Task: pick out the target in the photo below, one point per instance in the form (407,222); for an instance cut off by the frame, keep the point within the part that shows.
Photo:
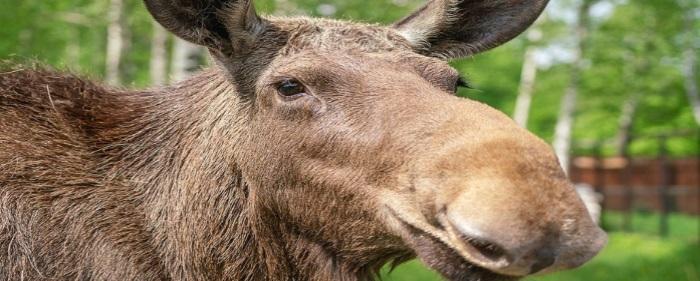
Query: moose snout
(497,202)
(509,237)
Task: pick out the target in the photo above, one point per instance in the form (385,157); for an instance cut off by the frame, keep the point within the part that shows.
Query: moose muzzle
(496,198)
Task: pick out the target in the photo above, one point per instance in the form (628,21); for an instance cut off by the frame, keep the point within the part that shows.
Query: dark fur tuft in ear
(221,25)
(459,28)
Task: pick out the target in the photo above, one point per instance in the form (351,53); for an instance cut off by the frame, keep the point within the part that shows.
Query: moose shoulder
(313,150)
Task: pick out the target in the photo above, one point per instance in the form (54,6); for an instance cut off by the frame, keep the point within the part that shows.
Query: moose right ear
(458,28)
(222,25)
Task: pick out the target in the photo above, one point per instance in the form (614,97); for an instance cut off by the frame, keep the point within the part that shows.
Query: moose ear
(222,25)
(459,28)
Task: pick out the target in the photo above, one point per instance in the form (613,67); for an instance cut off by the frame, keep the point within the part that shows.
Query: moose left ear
(458,28)
(222,25)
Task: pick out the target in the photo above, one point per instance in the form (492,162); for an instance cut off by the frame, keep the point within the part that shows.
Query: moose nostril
(486,252)
(489,250)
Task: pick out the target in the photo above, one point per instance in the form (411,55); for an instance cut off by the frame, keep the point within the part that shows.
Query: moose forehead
(326,48)
(333,35)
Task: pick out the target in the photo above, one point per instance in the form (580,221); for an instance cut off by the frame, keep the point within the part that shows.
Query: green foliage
(640,256)
(60,33)
(494,75)
(635,51)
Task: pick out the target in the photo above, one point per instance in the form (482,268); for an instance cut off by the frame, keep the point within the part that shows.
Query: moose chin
(313,149)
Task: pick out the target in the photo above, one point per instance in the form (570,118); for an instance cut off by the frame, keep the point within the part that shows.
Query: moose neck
(174,148)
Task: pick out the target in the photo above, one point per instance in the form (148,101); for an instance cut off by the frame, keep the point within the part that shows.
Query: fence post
(627,184)
(599,168)
(664,169)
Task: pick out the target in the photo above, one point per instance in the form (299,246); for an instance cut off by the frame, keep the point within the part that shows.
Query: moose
(313,149)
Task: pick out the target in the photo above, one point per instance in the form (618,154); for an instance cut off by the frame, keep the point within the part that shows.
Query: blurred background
(612,84)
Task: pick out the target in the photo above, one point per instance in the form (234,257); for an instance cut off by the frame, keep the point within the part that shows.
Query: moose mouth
(443,257)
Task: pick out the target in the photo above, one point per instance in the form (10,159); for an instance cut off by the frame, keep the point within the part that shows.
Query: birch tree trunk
(690,63)
(187,59)
(526,88)
(528,77)
(565,122)
(73,47)
(636,64)
(159,53)
(564,127)
(624,133)
(115,41)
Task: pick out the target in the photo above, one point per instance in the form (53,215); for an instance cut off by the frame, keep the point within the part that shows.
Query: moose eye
(290,88)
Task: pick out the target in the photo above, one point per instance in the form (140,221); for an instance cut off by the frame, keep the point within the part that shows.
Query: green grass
(639,256)
(680,226)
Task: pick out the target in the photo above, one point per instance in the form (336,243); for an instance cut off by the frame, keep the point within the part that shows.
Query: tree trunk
(73,47)
(624,133)
(690,63)
(565,122)
(526,88)
(564,127)
(159,53)
(634,66)
(115,41)
(691,84)
(528,77)
(187,59)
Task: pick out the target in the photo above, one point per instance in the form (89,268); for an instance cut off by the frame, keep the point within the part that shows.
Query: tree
(625,123)
(159,55)
(690,61)
(187,59)
(115,41)
(633,68)
(565,121)
(528,77)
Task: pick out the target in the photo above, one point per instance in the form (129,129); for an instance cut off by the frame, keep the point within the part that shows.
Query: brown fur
(88,182)
(222,178)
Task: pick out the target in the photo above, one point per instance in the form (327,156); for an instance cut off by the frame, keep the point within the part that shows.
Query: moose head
(354,150)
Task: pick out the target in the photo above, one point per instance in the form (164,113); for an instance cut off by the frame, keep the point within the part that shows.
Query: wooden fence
(642,184)
(659,184)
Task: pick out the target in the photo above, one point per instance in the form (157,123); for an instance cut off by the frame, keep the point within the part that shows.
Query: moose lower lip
(444,258)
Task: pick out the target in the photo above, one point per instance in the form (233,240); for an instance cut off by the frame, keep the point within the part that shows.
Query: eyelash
(463,83)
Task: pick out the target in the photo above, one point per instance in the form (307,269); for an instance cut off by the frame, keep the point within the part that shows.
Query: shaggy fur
(93,193)
(223,177)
